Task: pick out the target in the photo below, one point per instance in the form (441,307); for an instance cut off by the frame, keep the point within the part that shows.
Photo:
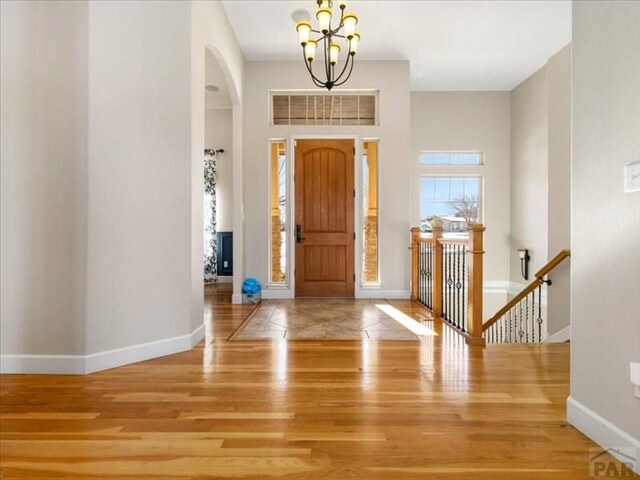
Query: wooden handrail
(540,274)
(553,263)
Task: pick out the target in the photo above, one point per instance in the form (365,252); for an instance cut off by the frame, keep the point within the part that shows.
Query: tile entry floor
(322,319)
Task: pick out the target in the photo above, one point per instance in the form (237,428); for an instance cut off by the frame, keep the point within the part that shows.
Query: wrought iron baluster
(502,327)
(448,254)
(431,273)
(445,287)
(424,274)
(526,313)
(464,277)
(539,319)
(519,317)
(420,270)
(455,285)
(533,316)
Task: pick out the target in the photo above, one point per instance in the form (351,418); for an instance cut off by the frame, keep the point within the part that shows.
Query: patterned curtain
(210,229)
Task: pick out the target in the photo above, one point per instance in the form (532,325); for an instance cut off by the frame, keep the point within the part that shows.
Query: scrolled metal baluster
(539,319)
(533,316)
(457,281)
(420,273)
(464,278)
(449,291)
(519,322)
(526,321)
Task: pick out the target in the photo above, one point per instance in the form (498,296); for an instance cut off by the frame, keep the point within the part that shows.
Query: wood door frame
(357,221)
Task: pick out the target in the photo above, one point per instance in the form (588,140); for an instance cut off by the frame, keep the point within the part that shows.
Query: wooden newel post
(436,270)
(415,234)
(476,255)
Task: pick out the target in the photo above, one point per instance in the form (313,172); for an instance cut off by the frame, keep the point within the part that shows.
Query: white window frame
(360,191)
(341,92)
(289,271)
(479,176)
(451,152)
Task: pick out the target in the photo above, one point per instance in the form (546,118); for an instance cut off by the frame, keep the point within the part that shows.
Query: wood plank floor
(301,409)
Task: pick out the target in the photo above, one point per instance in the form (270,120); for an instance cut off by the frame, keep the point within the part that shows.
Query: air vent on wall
(331,109)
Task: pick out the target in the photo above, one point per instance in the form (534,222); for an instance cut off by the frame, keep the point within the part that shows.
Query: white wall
(605,275)
(102,178)
(210,29)
(453,121)
(540,180)
(218,134)
(529,173)
(559,184)
(43,169)
(392,79)
(138,264)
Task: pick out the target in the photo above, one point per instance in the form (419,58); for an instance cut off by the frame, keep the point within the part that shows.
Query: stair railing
(521,319)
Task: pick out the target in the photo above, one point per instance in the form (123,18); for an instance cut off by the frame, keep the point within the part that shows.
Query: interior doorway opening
(218,180)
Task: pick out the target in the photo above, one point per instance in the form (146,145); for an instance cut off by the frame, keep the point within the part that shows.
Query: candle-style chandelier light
(331,75)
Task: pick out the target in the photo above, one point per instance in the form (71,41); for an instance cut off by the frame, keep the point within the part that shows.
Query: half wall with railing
(447,278)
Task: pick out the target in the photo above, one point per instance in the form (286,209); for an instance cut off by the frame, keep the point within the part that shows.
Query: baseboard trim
(42,364)
(602,431)
(82,364)
(225,278)
(560,336)
(277,293)
(495,286)
(382,294)
(236,298)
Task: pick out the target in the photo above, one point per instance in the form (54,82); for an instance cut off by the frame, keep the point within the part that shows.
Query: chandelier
(331,75)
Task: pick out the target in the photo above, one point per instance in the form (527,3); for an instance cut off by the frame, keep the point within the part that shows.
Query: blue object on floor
(251,285)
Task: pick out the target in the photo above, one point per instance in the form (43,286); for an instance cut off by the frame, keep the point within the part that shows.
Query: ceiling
(213,75)
(451,45)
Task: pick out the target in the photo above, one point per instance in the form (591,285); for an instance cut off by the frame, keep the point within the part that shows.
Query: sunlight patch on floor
(406,321)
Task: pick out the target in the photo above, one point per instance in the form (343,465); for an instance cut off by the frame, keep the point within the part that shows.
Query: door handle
(299,237)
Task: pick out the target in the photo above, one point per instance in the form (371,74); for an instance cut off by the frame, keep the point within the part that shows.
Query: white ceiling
(213,75)
(451,45)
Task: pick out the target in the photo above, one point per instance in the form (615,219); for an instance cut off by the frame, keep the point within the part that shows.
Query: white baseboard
(42,364)
(81,364)
(225,278)
(560,336)
(285,294)
(236,298)
(390,294)
(602,431)
(277,293)
(496,286)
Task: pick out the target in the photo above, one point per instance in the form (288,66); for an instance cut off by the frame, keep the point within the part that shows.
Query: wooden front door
(324,235)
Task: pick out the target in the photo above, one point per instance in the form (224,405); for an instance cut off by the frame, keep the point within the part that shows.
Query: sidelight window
(370,259)
(278,271)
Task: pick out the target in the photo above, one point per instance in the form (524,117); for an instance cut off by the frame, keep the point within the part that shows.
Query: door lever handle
(299,237)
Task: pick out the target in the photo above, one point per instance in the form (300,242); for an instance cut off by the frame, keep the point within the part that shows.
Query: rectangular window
(327,109)
(456,200)
(278,212)
(451,158)
(370,212)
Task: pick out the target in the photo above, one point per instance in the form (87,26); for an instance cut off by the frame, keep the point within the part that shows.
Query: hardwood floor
(302,409)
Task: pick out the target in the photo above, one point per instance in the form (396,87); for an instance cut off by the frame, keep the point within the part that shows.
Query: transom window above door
(333,109)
